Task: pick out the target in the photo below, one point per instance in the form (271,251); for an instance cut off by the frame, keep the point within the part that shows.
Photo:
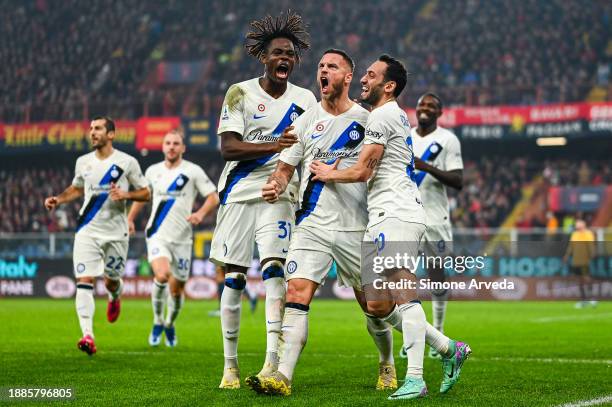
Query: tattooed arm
(369,158)
(277,182)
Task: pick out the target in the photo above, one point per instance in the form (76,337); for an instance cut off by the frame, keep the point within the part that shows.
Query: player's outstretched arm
(211,202)
(138,195)
(277,182)
(70,194)
(234,149)
(134,211)
(453,178)
(361,171)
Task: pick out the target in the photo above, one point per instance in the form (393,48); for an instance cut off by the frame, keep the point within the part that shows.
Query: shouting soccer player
(175,183)
(396,216)
(331,219)
(101,241)
(253,117)
(439,165)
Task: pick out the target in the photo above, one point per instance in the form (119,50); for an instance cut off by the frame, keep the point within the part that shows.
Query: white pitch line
(551,360)
(585,403)
(572,317)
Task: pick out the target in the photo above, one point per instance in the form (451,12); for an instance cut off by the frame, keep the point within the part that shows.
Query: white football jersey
(441,149)
(259,118)
(100,217)
(392,190)
(174,192)
(325,137)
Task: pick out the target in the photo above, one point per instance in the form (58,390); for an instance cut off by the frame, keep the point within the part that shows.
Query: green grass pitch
(525,354)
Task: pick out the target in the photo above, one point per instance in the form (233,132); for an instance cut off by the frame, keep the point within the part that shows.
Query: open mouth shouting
(282,71)
(325,88)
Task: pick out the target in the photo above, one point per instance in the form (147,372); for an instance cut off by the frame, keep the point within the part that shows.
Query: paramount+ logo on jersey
(258,136)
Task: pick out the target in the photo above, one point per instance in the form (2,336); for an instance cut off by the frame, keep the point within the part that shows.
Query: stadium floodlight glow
(551,141)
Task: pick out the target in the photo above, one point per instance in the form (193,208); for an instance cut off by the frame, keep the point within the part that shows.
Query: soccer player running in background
(175,183)
(330,222)
(253,117)
(103,177)
(396,217)
(437,159)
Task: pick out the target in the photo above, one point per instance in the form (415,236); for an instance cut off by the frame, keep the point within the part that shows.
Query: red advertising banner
(519,115)
(151,131)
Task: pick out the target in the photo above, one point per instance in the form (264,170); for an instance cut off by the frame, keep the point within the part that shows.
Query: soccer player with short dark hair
(396,217)
(438,165)
(103,177)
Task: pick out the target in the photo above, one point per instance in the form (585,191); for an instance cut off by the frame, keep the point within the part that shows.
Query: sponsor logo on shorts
(80,268)
(291,267)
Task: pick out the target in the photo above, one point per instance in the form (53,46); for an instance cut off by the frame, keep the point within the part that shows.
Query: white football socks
(85,307)
(230,316)
(175,303)
(159,294)
(433,337)
(294,333)
(274,281)
(382,336)
(413,329)
(438,307)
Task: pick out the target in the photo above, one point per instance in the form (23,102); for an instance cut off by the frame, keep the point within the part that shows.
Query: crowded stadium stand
(71,59)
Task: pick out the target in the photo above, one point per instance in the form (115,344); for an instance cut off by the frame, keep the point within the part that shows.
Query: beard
(173,159)
(374,96)
(101,143)
(336,91)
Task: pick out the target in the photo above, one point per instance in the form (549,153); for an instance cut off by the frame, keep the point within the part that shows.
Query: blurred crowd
(71,59)
(490,52)
(492,186)
(578,173)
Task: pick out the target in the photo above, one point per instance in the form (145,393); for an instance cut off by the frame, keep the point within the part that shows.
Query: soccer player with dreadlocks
(254,114)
